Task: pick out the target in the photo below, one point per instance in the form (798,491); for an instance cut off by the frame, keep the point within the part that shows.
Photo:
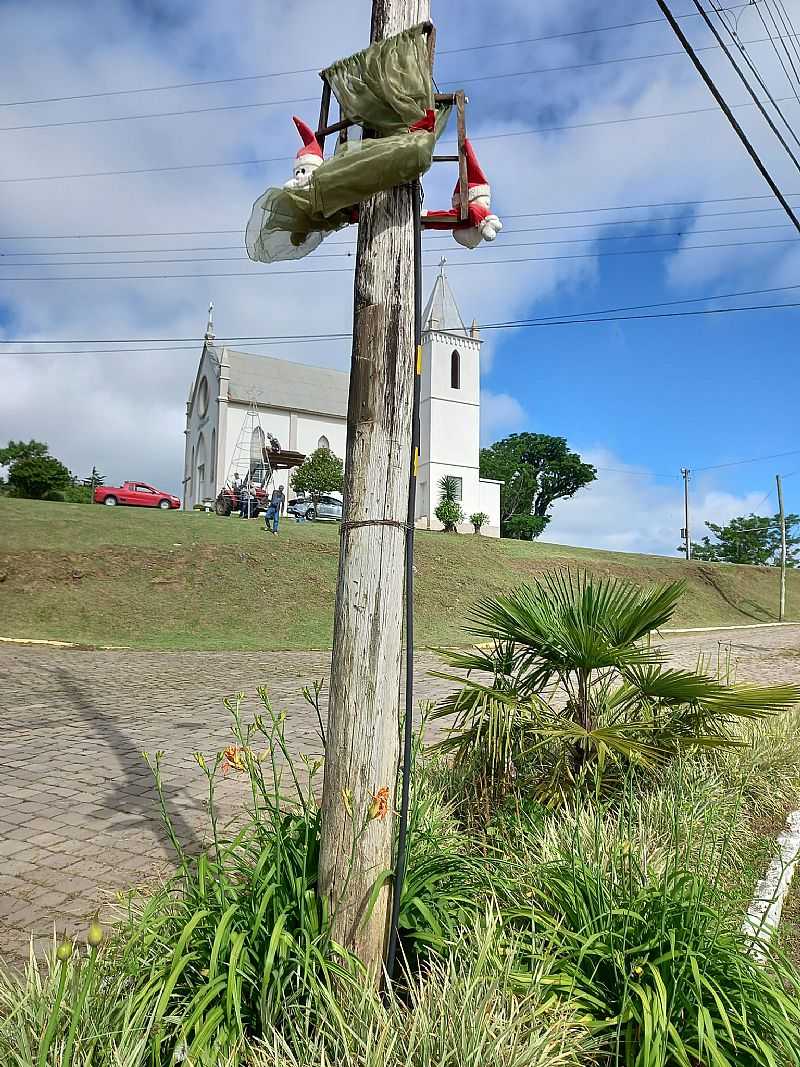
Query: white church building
(305,408)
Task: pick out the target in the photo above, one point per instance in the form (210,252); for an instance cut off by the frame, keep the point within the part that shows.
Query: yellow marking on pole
(416,461)
(419,359)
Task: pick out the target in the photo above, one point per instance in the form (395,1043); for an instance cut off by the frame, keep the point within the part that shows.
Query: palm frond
(570,621)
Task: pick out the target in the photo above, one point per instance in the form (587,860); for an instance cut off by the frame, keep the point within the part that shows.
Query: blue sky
(652,396)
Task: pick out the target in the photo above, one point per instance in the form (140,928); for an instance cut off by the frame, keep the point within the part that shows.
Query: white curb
(764,912)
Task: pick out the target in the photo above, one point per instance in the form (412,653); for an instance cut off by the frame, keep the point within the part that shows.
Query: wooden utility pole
(362,737)
(782,519)
(686,530)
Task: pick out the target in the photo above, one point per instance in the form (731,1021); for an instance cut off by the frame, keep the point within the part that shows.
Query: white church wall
(489,497)
(311,429)
(470,492)
(202,420)
(272,421)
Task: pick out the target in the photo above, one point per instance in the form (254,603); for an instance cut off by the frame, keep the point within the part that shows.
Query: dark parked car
(324,507)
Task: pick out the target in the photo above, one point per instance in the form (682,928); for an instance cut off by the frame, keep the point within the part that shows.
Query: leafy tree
(322,472)
(536,470)
(449,511)
(478,520)
(95,478)
(32,471)
(754,539)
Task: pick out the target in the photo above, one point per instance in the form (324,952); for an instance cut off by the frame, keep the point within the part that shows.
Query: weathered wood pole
(362,737)
(782,521)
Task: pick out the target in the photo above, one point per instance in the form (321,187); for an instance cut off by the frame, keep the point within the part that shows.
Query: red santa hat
(310,154)
(477,182)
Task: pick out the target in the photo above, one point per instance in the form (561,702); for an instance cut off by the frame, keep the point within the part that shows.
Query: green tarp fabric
(387,87)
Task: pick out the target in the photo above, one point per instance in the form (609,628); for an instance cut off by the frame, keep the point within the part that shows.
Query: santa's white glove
(490,227)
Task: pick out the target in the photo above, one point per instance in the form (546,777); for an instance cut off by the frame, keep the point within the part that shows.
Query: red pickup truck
(138,494)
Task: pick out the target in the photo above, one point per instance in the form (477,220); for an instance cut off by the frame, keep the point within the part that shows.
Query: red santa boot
(480,224)
(483,225)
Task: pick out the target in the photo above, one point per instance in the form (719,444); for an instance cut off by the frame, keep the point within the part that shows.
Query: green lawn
(155,580)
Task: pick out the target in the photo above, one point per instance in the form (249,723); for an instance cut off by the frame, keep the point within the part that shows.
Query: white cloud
(631,511)
(125,413)
(501,414)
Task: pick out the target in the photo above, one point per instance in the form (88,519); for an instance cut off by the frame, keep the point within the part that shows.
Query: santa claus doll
(480,224)
(308,158)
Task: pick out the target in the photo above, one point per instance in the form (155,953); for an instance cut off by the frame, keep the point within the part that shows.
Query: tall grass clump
(661,968)
(466,1009)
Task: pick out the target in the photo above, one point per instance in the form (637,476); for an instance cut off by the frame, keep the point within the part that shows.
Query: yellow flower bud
(200,759)
(64,951)
(95,934)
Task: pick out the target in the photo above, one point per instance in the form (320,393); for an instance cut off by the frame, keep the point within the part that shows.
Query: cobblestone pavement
(78,812)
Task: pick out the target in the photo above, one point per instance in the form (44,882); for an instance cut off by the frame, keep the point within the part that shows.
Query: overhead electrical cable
(257,272)
(504,243)
(740,45)
(506,215)
(486,261)
(557,322)
(313,70)
(792,85)
(779,38)
(186,112)
(250,338)
(754,96)
(285,159)
(728,112)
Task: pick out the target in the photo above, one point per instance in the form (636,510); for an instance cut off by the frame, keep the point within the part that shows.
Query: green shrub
(478,520)
(55,495)
(448,510)
(524,527)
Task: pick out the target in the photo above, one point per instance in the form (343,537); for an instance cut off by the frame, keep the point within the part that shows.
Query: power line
(255,270)
(509,325)
(285,159)
(793,85)
(184,112)
(746,55)
(726,108)
(765,114)
(313,70)
(504,243)
(506,215)
(740,462)
(193,341)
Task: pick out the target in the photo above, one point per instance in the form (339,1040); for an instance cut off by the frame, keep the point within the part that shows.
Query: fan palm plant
(568,673)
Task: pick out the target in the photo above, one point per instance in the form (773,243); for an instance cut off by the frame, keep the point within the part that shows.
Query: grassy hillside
(149,579)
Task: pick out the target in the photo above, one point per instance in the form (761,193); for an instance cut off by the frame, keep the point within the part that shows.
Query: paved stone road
(78,815)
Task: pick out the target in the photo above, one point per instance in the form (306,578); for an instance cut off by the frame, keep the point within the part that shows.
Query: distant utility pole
(782,519)
(358,797)
(686,531)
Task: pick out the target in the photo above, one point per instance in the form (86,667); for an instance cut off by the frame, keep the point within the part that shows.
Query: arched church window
(202,397)
(455,370)
(323,442)
(213,453)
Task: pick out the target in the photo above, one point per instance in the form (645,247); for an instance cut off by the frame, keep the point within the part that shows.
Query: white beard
(470,238)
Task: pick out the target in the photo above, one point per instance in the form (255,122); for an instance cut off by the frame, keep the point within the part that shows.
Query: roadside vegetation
(583,847)
(169,580)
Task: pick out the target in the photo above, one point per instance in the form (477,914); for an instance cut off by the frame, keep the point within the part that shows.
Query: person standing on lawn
(273,512)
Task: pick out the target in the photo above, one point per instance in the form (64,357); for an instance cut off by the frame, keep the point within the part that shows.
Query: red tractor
(230,499)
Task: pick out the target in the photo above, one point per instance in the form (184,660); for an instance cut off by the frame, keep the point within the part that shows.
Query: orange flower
(233,756)
(379,808)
